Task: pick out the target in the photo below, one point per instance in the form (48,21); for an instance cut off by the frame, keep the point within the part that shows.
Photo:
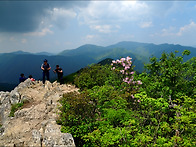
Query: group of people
(46,73)
(23,78)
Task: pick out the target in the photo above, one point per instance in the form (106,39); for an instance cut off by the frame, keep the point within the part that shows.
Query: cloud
(113,12)
(146,24)
(109,16)
(90,36)
(60,16)
(182,31)
(27,16)
(19,17)
(190,28)
(105,28)
(43,32)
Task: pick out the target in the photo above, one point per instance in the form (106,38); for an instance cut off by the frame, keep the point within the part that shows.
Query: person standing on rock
(46,68)
(59,72)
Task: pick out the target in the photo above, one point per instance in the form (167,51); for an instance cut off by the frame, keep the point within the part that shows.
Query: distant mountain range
(15,63)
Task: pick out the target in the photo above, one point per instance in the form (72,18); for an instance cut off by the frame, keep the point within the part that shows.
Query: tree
(170,76)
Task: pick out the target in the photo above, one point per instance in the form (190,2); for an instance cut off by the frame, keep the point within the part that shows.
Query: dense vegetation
(118,107)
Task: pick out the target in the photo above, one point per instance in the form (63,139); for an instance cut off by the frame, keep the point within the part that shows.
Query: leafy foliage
(170,76)
(120,108)
(94,75)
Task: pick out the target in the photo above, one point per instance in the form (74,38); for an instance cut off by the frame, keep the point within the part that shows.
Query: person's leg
(43,77)
(61,80)
(48,76)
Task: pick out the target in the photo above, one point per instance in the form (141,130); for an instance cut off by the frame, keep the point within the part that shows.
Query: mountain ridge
(13,64)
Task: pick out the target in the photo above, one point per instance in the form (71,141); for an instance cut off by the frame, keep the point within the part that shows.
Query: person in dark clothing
(59,72)
(46,68)
(22,78)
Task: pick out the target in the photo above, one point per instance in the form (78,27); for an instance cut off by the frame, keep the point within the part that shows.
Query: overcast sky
(36,26)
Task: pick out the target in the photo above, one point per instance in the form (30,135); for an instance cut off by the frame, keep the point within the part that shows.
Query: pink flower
(126,79)
(122,59)
(132,96)
(127,67)
(128,58)
(122,71)
(113,61)
(138,101)
(132,72)
(139,82)
(113,68)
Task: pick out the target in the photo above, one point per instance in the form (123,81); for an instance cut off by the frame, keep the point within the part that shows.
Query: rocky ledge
(35,123)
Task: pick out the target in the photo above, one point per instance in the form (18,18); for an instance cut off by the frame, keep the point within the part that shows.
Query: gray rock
(35,123)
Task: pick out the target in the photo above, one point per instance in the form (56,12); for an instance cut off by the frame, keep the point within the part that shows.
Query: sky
(54,26)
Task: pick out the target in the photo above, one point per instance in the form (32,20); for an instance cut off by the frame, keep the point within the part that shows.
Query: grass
(16,107)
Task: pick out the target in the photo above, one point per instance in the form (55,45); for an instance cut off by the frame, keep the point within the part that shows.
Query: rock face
(35,123)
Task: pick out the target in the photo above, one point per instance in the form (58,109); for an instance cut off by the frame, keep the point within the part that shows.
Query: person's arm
(49,67)
(61,70)
(42,67)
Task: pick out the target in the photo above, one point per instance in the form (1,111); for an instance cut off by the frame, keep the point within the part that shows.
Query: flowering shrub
(124,66)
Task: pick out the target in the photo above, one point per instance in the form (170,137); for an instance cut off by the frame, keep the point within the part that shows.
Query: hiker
(46,68)
(31,78)
(22,78)
(59,72)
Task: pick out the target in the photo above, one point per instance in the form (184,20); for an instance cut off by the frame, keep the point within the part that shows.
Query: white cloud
(105,28)
(100,13)
(60,17)
(90,36)
(146,24)
(43,32)
(190,28)
(182,31)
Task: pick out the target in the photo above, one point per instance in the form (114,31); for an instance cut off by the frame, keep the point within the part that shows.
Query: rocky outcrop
(35,123)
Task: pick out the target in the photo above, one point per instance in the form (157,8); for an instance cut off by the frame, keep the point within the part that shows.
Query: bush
(121,108)
(96,75)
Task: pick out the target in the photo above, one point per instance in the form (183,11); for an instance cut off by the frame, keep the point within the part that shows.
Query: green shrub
(114,110)
(96,75)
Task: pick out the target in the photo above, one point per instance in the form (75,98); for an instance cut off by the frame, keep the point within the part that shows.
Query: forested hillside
(118,107)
